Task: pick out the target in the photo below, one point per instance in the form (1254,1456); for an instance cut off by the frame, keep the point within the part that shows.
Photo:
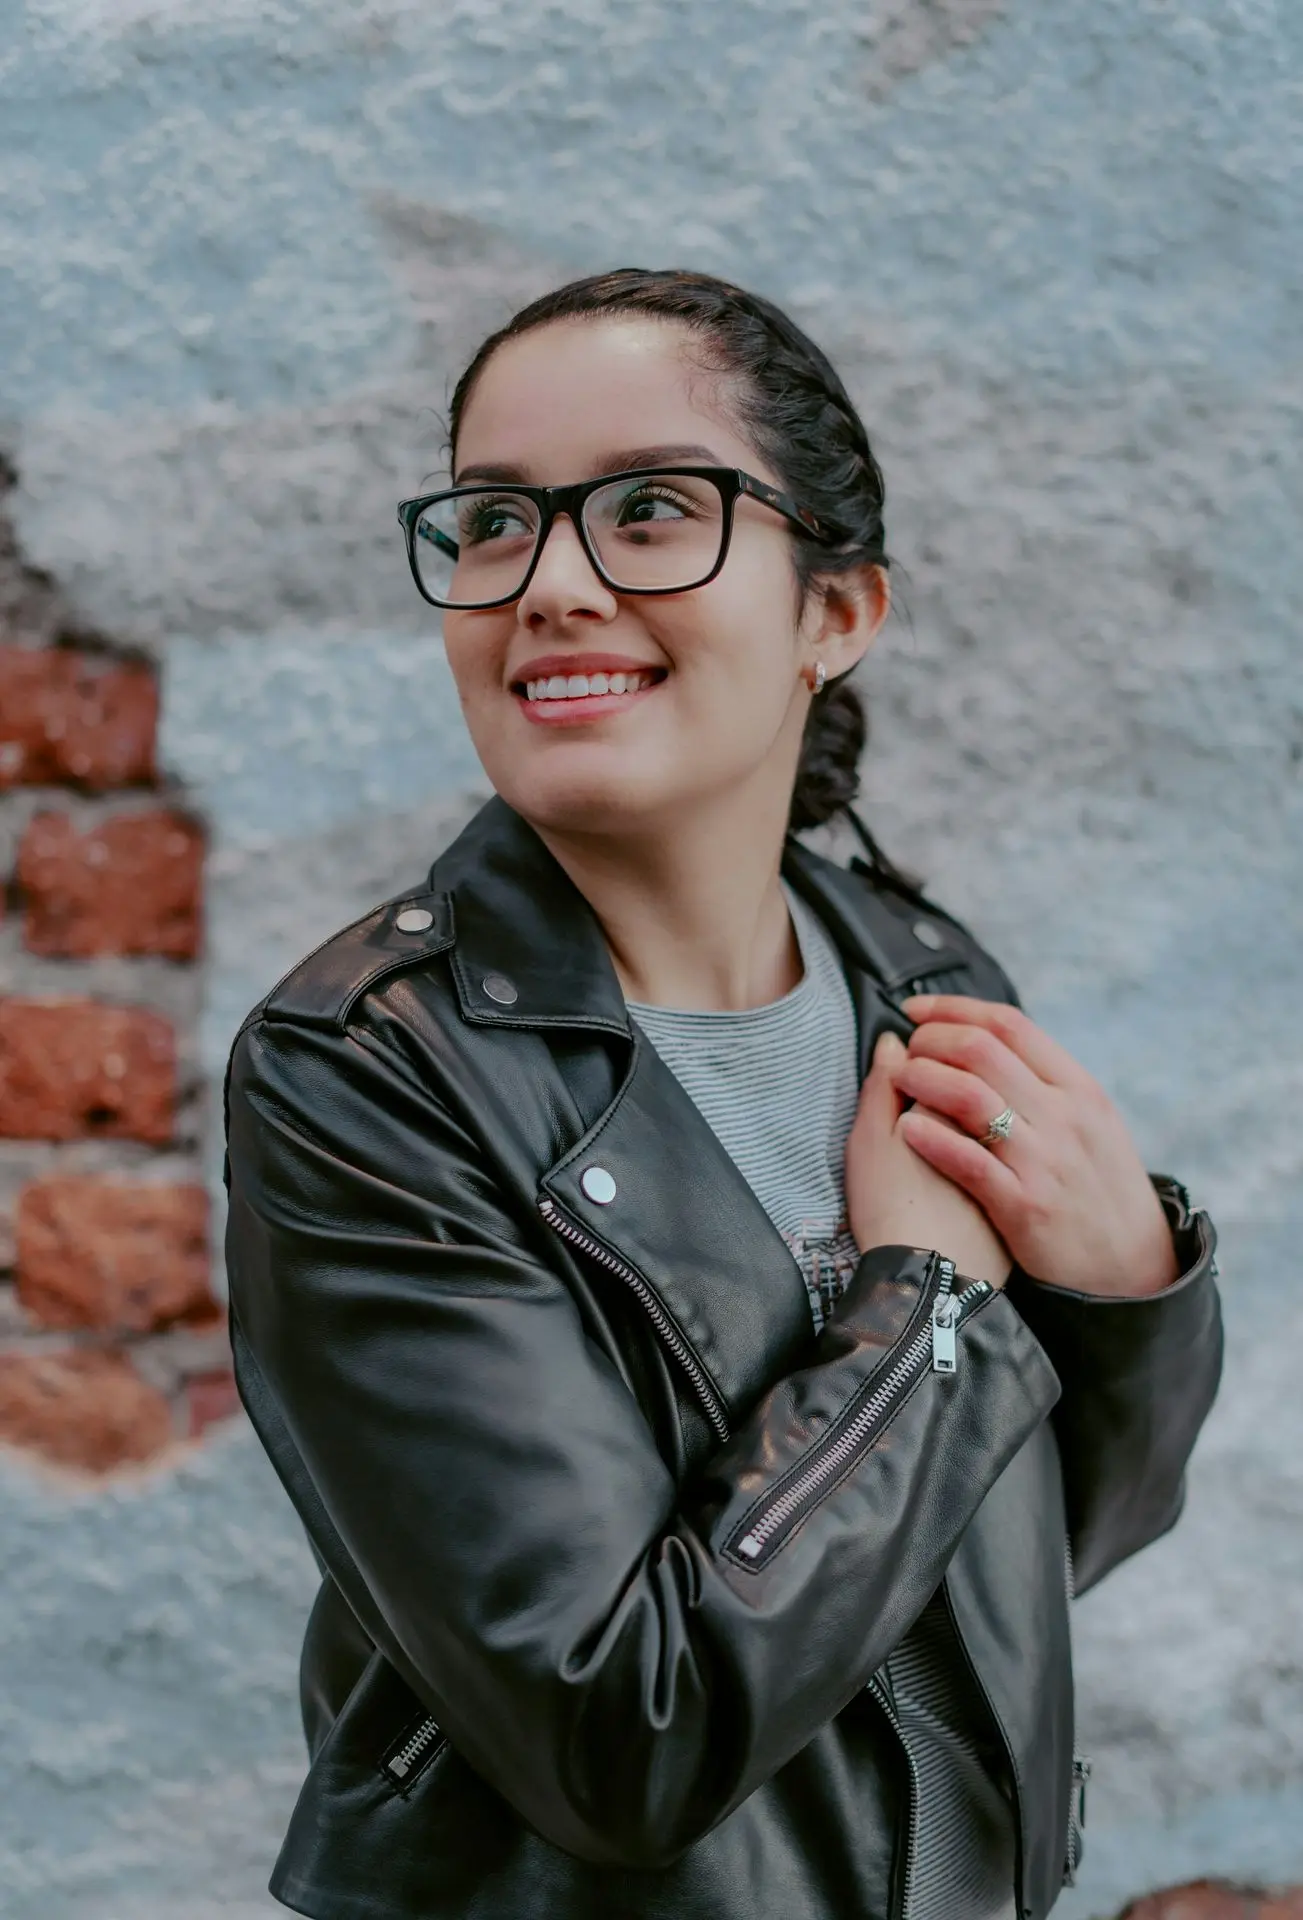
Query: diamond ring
(1000,1128)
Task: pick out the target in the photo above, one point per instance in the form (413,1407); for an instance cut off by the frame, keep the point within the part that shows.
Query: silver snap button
(598,1185)
(414,920)
(499,988)
(928,935)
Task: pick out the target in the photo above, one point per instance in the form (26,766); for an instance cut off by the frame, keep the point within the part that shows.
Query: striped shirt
(778,1085)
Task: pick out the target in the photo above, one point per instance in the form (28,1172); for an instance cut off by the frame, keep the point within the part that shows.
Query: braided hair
(793,406)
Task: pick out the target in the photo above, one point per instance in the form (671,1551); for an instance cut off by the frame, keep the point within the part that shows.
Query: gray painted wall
(1058,249)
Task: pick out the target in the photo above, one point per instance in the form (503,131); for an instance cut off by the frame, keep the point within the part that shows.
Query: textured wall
(1058,250)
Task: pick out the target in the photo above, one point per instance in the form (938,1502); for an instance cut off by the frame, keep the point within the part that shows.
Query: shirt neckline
(805,986)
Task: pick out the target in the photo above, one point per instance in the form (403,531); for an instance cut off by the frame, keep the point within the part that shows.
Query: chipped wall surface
(1057,250)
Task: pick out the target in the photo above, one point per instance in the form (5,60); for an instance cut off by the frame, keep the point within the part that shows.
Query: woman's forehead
(568,396)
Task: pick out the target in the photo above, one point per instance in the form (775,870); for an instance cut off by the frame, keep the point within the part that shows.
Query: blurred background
(1057,249)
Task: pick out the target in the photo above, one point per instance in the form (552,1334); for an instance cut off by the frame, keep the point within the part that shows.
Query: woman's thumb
(888,1053)
(878,1092)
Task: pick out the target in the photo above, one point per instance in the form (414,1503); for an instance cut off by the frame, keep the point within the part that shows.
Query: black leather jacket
(611,1542)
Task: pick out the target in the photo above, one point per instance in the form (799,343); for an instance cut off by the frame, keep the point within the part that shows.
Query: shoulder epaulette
(323,988)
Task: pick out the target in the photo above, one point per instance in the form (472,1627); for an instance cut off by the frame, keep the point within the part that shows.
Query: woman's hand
(1067,1192)
(893,1198)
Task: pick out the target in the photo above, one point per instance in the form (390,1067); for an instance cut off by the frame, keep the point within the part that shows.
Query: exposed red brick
(81,1409)
(1216,1900)
(75,718)
(98,1253)
(132,884)
(77,1069)
(210,1397)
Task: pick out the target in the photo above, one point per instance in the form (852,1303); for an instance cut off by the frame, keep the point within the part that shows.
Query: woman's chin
(593,801)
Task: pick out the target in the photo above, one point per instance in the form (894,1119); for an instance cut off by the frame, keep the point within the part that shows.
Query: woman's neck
(694,918)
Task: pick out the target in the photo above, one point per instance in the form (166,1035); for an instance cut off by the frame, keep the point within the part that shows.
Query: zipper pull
(945,1314)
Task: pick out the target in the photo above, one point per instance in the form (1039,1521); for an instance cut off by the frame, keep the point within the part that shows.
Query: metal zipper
(401,1765)
(879,1692)
(828,1462)
(1081,1766)
(664,1326)
(945,1317)
(1081,1770)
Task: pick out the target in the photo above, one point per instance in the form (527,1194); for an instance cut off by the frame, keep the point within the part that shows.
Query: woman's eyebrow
(617,460)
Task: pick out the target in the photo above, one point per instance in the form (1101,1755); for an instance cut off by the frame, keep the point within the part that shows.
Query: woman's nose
(565,584)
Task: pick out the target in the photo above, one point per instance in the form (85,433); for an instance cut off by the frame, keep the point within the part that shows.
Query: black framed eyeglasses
(651,530)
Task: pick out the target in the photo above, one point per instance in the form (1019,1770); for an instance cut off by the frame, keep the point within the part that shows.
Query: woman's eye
(485,520)
(640,507)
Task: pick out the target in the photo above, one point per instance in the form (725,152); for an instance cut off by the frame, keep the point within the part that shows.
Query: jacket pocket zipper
(1081,1766)
(656,1313)
(934,1342)
(879,1693)
(413,1752)
(1076,1820)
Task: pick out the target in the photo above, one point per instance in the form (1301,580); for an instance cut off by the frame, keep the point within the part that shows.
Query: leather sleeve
(594,1641)
(1139,1375)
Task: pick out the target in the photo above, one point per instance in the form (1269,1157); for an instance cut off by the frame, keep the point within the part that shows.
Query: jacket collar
(523,926)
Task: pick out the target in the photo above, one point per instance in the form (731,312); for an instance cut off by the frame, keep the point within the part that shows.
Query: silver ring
(1000,1128)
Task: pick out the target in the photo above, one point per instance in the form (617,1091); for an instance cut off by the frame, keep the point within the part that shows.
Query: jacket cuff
(883,1290)
(1135,1320)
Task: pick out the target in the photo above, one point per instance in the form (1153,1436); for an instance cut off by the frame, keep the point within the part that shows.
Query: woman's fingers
(958,1156)
(1004,1026)
(983,1057)
(967,1099)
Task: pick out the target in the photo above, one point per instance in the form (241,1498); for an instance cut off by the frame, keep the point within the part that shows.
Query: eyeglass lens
(661,530)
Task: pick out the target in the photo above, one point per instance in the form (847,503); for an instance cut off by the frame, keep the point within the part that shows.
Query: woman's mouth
(567,698)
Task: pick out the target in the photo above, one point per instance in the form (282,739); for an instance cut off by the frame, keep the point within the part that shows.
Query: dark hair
(793,406)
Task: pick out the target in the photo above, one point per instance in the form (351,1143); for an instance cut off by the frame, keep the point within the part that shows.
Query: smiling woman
(688,1386)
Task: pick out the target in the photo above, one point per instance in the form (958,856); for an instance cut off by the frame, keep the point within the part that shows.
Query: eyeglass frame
(732,482)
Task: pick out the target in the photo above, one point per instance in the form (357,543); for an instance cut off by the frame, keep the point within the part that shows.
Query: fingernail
(917,1003)
(889,1046)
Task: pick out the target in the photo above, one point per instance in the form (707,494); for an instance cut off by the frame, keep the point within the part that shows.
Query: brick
(101,1253)
(210,1398)
(1200,1900)
(78,1069)
(1285,1905)
(81,1409)
(75,718)
(131,885)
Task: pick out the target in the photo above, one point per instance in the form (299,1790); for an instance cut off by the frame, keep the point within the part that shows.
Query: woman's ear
(846,614)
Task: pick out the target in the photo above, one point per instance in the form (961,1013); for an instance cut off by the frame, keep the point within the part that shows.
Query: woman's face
(726,703)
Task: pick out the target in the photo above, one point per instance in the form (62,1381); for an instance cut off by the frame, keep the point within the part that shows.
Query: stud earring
(820,675)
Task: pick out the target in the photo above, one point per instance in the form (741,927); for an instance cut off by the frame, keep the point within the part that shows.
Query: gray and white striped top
(778,1085)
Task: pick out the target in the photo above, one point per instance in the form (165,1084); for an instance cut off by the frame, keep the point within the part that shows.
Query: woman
(687,1385)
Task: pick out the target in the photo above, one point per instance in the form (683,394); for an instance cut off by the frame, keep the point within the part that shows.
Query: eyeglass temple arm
(423,530)
(784,503)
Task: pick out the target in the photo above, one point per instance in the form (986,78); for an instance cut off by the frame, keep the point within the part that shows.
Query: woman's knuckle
(1036,1205)
(980,1050)
(961,1043)
(1008,1023)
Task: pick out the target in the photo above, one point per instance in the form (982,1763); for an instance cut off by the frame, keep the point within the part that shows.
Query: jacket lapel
(675,1208)
(529,953)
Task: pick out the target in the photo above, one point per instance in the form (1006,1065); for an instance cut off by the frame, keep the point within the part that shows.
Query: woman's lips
(588,706)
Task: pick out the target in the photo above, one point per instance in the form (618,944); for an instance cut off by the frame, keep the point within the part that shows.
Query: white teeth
(578,686)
